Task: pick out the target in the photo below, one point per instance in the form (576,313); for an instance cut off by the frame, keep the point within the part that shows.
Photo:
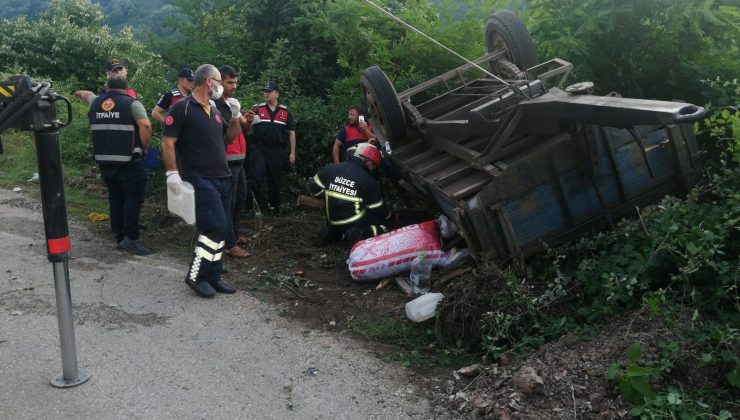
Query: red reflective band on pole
(58,246)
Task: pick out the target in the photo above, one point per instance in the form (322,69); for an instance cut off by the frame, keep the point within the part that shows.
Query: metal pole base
(60,382)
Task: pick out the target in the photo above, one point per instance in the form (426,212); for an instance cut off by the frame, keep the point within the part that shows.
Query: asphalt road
(157,351)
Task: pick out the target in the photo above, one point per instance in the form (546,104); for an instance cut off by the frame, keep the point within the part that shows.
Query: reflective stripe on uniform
(374,229)
(236,157)
(345,197)
(318,182)
(207,255)
(376,205)
(112,158)
(210,244)
(112,127)
(354,218)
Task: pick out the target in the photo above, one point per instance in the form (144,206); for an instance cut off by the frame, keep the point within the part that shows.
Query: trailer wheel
(383,105)
(504,30)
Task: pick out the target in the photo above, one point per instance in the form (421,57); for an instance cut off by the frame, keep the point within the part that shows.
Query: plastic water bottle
(421,275)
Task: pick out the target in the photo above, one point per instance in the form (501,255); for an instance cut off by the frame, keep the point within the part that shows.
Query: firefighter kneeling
(352,196)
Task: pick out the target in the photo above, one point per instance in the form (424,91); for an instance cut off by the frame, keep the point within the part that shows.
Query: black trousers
(265,163)
(212,212)
(126,189)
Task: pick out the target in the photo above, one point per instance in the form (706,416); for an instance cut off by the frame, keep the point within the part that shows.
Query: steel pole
(54,208)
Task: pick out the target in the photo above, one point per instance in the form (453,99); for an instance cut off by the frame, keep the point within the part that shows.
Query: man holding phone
(355,132)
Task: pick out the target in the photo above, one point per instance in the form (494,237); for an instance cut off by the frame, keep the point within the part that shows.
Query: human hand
(248,115)
(291,158)
(173,181)
(84,95)
(234,106)
(362,125)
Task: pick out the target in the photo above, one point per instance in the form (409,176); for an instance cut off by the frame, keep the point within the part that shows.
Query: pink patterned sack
(391,253)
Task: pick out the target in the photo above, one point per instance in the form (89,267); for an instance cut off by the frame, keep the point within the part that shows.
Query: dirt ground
(312,286)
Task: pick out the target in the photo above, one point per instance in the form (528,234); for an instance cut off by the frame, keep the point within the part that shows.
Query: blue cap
(186,73)
(270,86)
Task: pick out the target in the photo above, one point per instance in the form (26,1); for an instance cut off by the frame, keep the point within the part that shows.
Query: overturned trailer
(516,161)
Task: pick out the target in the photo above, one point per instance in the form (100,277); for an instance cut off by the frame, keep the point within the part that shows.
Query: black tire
(504,29)
(383,105)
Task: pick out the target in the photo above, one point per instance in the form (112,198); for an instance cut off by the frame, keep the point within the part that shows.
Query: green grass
(417,343)
(83,190)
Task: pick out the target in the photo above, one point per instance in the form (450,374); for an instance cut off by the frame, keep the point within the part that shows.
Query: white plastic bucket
(423,307)
(182,203)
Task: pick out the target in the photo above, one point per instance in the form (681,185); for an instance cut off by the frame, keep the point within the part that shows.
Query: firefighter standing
(353,200)
(121,135)
(273,128)
(195,131)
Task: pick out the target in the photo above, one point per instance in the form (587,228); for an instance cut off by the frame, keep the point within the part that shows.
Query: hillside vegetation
(676,262)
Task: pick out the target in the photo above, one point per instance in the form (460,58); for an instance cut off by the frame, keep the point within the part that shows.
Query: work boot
(201,288)
(222,287)
(134,246)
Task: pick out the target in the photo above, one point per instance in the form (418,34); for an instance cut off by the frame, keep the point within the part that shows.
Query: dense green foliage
(678,260)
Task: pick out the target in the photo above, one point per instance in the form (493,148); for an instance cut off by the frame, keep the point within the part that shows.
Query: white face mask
(216,94)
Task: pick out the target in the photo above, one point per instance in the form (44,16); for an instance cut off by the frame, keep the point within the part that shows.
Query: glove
(234,106)
(173,182)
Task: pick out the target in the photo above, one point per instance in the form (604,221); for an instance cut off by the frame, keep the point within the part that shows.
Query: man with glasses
(193,146)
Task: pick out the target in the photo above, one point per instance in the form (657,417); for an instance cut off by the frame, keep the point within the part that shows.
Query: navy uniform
(118,150)
(201,158)
(353,199)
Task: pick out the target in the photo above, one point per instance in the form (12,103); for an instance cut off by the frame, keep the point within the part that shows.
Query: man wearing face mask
(193,148)
(353,198)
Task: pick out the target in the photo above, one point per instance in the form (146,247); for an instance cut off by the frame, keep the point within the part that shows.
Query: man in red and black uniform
(236,152)
(193,145)
(353,198)
(169,98)
(121,134)
(273,128)
(356,131)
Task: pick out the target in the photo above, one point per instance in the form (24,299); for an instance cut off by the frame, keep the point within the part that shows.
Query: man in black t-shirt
(193,145)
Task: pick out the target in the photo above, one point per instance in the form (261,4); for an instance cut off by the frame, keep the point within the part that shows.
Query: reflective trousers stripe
(236,157)
(207,255)
(112,127)
(210,244)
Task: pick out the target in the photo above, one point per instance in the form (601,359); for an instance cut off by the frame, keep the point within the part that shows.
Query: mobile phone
(362,118)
